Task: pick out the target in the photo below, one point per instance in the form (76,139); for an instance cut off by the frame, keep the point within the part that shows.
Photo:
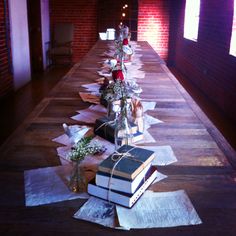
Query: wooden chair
(60,47)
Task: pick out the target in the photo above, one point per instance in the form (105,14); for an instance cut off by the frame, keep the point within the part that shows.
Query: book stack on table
(124,176)
(105,128)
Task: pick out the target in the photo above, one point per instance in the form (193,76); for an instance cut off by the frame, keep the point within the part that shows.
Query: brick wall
(83,14)
(6,81)
(153,24)
(207,63)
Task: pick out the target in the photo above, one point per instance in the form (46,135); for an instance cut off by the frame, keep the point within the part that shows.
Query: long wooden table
(205,168)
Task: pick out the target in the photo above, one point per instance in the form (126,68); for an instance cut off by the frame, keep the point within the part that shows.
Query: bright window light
(232,50)
(191,19)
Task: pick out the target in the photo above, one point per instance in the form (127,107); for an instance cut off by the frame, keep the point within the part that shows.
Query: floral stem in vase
(78,183)
(79,151)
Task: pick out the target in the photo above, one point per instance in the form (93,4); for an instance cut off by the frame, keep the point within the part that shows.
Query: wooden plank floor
(205,168)
(16,106)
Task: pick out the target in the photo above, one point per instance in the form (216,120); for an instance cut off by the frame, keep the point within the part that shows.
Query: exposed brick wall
(207,63)
(153,24)
(6,81)
(83,14)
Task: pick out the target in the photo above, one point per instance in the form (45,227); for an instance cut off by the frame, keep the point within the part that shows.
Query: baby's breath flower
(83,148)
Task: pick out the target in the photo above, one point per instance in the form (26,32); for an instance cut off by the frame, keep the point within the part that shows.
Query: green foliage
(84,147)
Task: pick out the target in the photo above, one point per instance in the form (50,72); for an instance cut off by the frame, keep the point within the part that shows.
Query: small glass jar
(77,182)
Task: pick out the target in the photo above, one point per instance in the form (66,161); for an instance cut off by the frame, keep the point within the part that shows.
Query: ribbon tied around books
(117,157)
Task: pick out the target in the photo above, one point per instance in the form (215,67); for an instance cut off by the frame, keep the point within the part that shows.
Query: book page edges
(117,183)
(120,199)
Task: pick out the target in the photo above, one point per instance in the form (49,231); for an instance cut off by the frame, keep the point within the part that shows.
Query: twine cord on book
(117,157)
(112,122)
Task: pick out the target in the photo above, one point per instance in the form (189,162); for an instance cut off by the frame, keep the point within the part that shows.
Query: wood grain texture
(205,167)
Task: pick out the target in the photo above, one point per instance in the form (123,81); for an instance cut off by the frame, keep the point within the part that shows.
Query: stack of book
(127,181)
(105,128)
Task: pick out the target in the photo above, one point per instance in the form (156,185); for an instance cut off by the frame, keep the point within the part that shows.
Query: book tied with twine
(122,198)
(128,161)
(118,183)
(105,128)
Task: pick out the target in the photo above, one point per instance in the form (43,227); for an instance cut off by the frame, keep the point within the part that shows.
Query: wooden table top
(205,168)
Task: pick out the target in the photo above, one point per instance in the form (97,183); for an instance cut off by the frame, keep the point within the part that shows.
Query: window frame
(191,19)
(232,48)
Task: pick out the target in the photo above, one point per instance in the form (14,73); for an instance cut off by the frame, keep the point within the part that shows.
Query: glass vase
(77,182)
(110,112)
(123,132)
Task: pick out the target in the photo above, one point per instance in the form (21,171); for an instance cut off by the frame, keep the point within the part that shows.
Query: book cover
(130,165)
(105,128)
(120,183)
(121,198)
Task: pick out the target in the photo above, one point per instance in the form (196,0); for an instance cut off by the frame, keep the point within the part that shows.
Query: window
(191,19)
(232,50)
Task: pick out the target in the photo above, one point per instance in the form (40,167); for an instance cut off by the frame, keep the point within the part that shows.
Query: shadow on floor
(17,106)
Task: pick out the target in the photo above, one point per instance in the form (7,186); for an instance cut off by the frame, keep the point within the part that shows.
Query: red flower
(125,41)
(117,75)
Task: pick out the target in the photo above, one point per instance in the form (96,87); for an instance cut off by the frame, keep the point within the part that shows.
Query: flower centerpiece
(116,91)
(77,154)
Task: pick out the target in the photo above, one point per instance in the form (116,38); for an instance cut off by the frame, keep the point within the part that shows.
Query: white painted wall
(45,22)
(19,42)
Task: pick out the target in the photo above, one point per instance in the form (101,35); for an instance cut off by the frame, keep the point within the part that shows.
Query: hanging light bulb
(126,5)
(123,14)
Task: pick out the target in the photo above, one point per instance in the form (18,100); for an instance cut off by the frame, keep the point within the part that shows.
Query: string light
(125,6)
(123,13)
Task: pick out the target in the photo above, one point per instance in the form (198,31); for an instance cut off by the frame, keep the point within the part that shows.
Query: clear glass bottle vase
(110,111)
(123,131)
(77,182)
